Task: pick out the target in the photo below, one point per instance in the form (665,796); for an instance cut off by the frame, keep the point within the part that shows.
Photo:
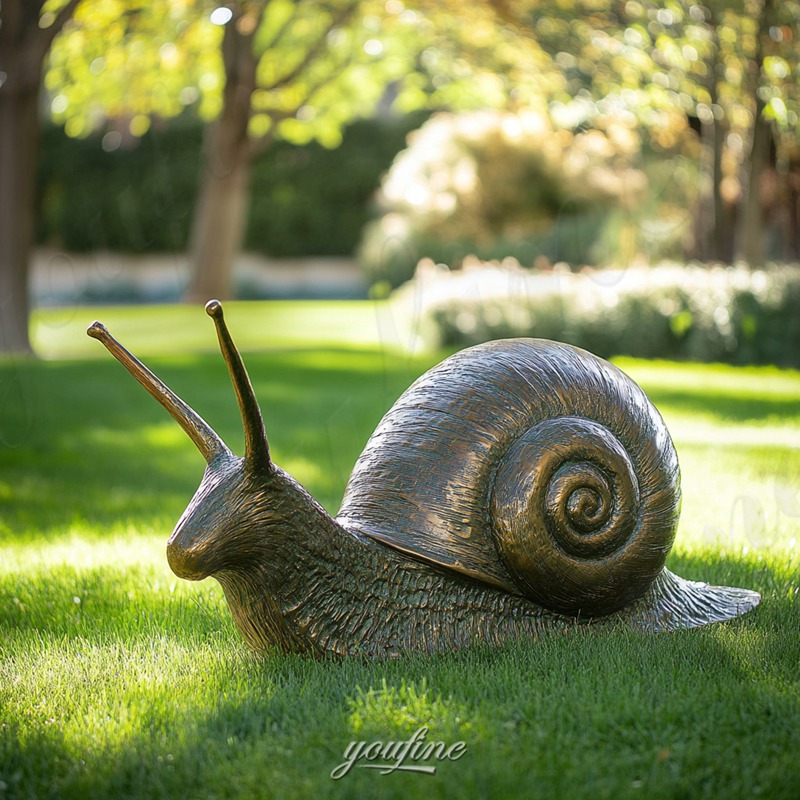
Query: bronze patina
(518,486)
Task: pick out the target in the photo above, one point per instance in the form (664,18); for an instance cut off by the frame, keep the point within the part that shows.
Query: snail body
(516,487)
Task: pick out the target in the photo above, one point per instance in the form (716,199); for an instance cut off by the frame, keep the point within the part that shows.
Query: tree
(296,69)
(258,71)
(27,30)
(730,66)
(733,63)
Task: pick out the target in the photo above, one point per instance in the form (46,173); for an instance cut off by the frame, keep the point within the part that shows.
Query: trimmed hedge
(728,314)
(134,199)
(304,200)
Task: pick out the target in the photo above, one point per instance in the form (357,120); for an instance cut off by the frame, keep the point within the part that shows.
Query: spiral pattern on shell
(527,464)
(565,506)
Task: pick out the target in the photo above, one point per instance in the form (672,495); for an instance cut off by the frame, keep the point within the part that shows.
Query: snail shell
(530,465)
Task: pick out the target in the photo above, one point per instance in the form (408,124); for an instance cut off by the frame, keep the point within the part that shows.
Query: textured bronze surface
(519,486)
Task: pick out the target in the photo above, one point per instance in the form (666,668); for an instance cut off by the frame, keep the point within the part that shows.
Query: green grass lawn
(119,680)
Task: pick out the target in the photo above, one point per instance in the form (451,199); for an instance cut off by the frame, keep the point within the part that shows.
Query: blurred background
(621,175)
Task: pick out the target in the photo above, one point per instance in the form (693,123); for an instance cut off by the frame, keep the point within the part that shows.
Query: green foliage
(118,679)
(720,62)
(320,64)
(133,62)
(497,184)
(651,59)
(731,314)
(135,198)
(315,72)
(138,198)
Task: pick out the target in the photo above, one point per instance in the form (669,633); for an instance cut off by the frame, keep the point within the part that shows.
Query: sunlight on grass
(296,465)
(61,333)
(719,405)
(699,431)
(148,437)
(739,497)
(121,551)
(762,380)
(402,709)
(100,701)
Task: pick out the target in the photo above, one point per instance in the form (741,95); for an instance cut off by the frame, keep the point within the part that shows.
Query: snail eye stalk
(255,437)
(199,431)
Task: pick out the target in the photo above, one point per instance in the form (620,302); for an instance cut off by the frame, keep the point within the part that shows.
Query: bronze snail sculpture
(518,486)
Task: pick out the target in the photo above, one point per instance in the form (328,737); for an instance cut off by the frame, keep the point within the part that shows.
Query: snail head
(237,496)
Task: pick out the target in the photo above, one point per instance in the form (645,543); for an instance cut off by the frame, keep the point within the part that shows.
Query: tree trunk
(751,243)
(23,47)
(19,134)
(713,224)
(721,245)
(221,209)
(793,248)
(220,215)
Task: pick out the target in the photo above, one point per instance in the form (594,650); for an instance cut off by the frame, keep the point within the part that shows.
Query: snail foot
(673,603)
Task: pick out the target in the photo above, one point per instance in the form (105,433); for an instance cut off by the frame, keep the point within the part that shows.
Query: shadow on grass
(711,712)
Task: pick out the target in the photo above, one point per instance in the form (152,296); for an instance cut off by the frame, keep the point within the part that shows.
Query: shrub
(498,184)
(728,314)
